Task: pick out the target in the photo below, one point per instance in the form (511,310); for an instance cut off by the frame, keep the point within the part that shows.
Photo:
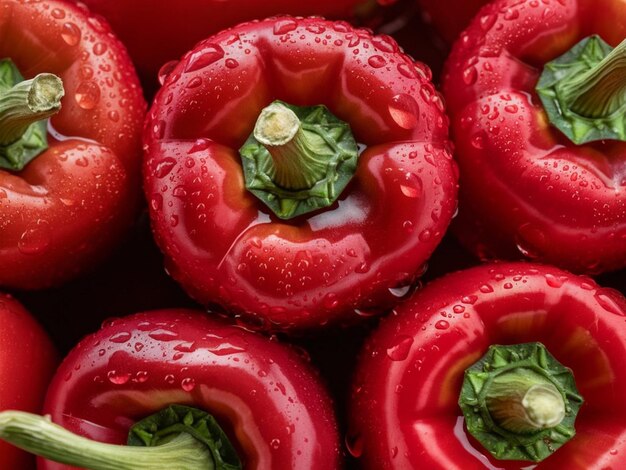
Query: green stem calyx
(519,402)
(298,159)
(25,106)
(178,437)
(584,91)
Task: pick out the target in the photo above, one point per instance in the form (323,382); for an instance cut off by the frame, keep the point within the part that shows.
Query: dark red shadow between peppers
(157,31)
(27,362)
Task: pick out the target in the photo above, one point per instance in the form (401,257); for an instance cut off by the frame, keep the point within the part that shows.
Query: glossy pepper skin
(450,17)
(27,362)
(273,408)
(225,247)
(67,207)
(527,190)
(404,411)
(156,32)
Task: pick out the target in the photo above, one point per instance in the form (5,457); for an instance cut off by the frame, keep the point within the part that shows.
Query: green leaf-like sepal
(170,422)
(16,154)
(560,87)
(328,143)
(528,360)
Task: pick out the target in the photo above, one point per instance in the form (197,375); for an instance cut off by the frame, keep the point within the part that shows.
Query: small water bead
(35,240)
(377,61)
(82,161)
(399,351)
(58,13)
(478,140)
(141,376)
(341,26)
(385,43)
(231,63)
(411,186)
(99,48)
(87,94)
(97,24)
(315,28)
(487,22)
(330,301)
(354,444)
(425,235)
(511,14)
(353,40)
(285,26)
(442,325)
(163,335)
(113,116)
(118,378)
(165,70)
(362,268)
(203,58)
(70,33)
(470,75)
(164,167)
(555,281)
(188,384)
(120,337)
(469,299)
(195,82)
(156,202)
(608,303)
(404,111)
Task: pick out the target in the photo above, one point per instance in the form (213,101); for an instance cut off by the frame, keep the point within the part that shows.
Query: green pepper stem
(519,402)
(600,91)
(296,162)
(26,103)
(298,159)
(583,92)
(523,404)
(38,435)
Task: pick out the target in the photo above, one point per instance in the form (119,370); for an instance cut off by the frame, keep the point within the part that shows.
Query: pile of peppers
(340,257)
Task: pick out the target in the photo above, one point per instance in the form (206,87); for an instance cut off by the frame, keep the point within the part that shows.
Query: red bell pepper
(27,362)
(450,17)
(268,410)
(308,231)
(60,212)
(156,32)
(517,400)
(542,170)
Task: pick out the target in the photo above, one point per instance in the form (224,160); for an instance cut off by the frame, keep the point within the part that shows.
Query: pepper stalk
(298,159)
(584,91)
(177,437)
(25,106)
(519,402)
